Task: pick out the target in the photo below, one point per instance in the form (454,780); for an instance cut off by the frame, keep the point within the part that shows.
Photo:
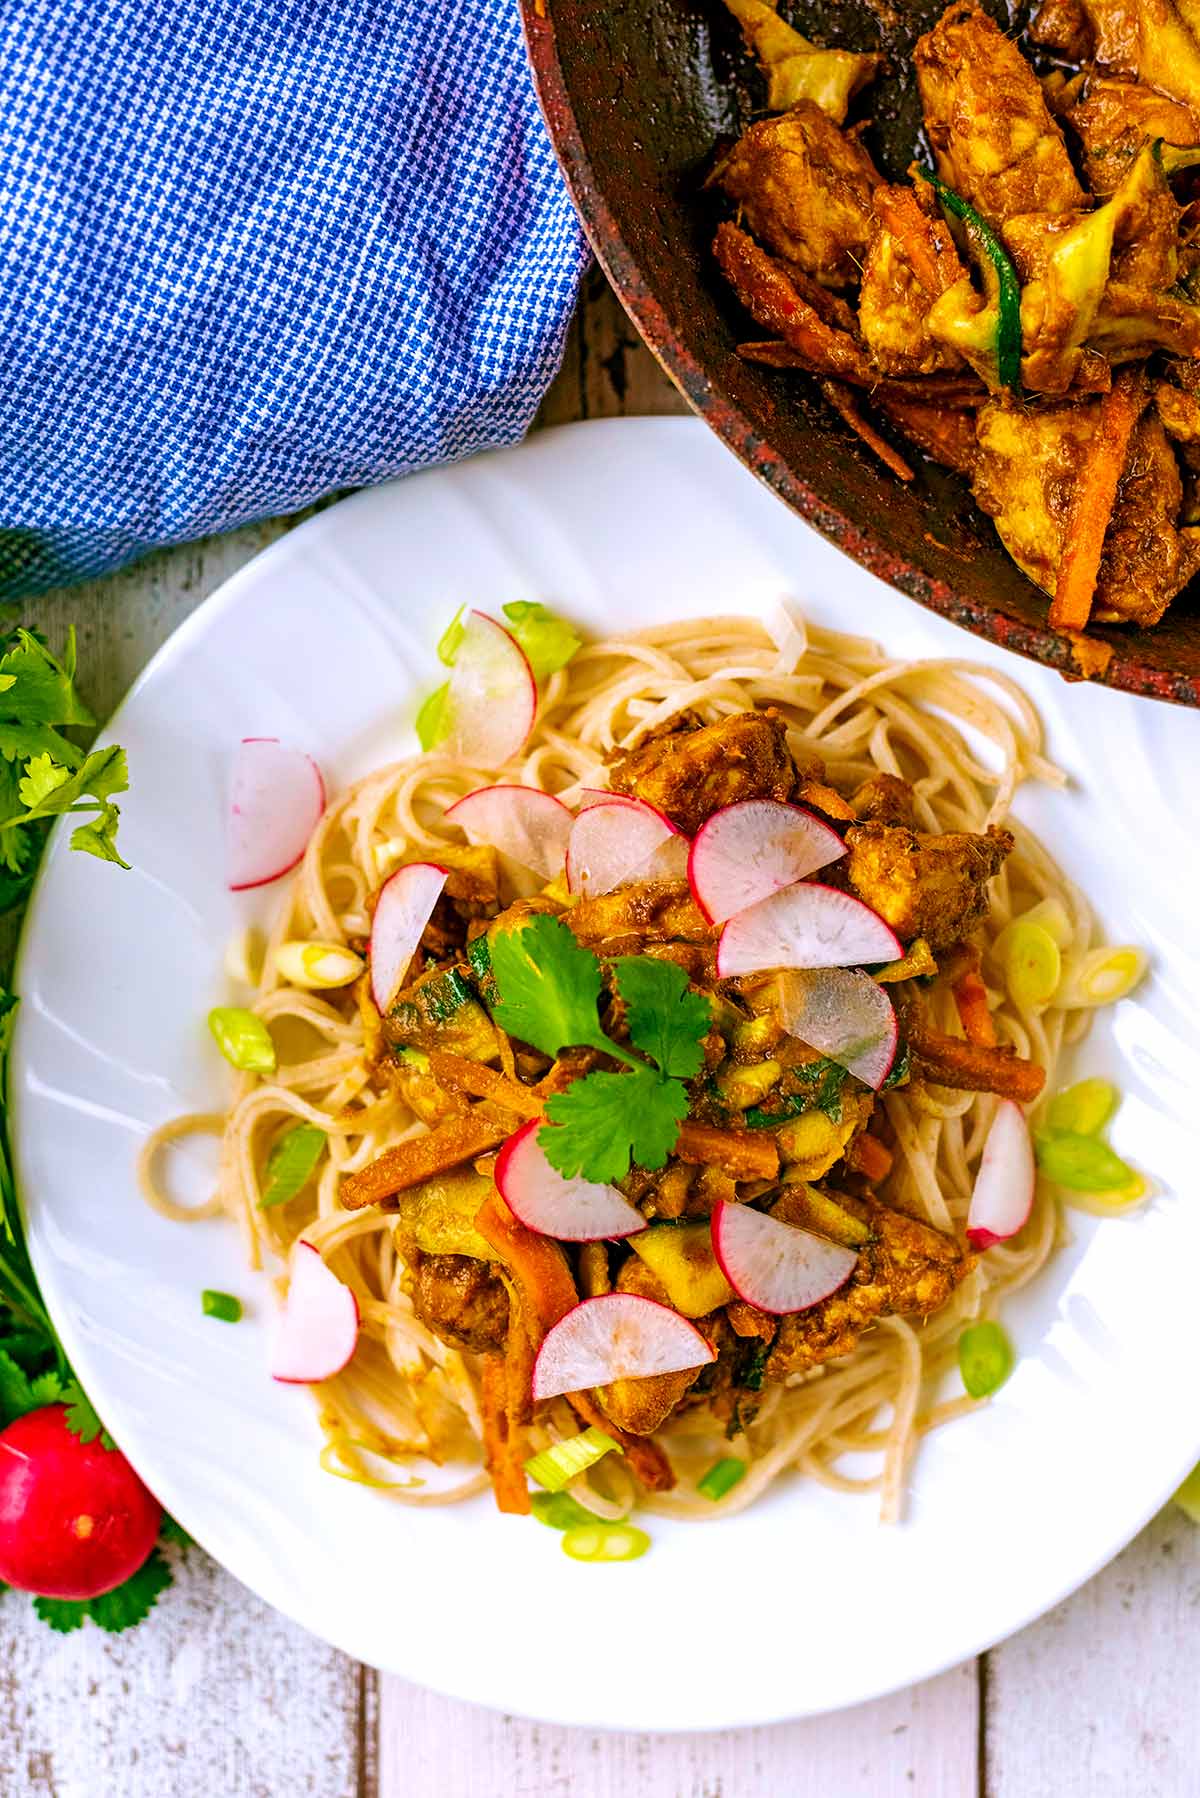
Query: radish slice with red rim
(522,822)
(317,1330)
(617,1336)
(404,907)
(276,802)
(590,796)
(544,1200)
(846,1015)
(612,842)
(747,851)
(491,699)
(805,926)
(1003,1194)
(776,1267)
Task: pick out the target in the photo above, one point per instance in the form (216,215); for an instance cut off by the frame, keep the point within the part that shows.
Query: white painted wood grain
(920,1742)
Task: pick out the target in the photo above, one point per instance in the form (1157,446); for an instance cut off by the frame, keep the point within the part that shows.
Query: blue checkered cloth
(253,251)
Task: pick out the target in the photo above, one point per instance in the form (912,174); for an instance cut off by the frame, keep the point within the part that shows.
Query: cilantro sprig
(550,988)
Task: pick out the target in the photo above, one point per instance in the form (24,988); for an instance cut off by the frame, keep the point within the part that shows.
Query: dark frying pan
(636,93)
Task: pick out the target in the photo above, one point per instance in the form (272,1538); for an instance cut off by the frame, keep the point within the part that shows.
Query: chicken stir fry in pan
(1027,309)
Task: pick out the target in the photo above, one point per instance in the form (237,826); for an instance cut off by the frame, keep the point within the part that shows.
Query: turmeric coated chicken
(1013,310)
(771,1123)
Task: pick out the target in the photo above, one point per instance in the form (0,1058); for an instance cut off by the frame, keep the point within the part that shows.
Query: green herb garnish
(721,1478)
(1008,330)
(985,1358)
(291,1163)
(221,1305)
(550,991)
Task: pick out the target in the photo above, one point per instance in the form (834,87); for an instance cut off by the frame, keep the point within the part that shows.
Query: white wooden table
(218,1697)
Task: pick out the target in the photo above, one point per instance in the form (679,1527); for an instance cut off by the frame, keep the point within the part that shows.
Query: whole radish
(75,1519)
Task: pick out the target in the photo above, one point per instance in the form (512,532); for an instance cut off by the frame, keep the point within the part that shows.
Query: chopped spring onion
(337,1458)
(1117,1203)
(1103,976)
(555,1467)
(1082,1109)
(244,956)
(430,722)
(1032,964)
(1052,916)
(1188,1495)
(243,1039)
(559,1511)
(985,1358)
(1082,1163)
(451,638)
(606,1542)
(721,1478)
(317,965)
(222,1305)
(290,1164)
(549,642)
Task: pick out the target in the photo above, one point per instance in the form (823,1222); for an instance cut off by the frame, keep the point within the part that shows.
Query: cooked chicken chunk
(993,137)
(908,1269)
(641,1406)
(690,774)
(804,190)
(892,307)
(661,910)
(1154,41)
(1114,119)
(924,885)
(885,799)
(1027,472)
(462,1300)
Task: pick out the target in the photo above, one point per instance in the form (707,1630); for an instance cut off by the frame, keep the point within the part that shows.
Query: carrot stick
(501,1443)
(459,1139)
(742,1154)
(1093,501)
(970,998)
(976,1067)
(538,1265)
(461,1075)
(867,1156)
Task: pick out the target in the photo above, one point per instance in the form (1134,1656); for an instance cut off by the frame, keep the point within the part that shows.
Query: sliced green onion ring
(605,1542)
(721,1478)
(1081,1163)
(1103,976)
(556,1467)
(1083,1109)
(559,1511)
(221,1305)
(243,1039)
(985,1358)
(291,1163)
(1032,964)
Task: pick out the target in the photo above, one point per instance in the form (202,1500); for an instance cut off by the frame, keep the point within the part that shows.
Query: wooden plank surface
(217,1695)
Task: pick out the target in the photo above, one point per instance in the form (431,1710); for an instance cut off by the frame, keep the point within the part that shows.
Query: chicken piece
(1154,41)
(1062,25)
(652,910)
(642,1406)
(885,799)
(767,289)
(462,1300)
(925,885)
(797,69)
(691,774)
(1029,464)
(892,308)
(908,1269)
(804,190)
(1133,321)
(993,138)
(1114,120)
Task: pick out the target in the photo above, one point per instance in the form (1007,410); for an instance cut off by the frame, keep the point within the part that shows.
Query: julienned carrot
(537,1264)
(501,1442)
(1095,496)
(867,1156)
(409,1163)
(970,999)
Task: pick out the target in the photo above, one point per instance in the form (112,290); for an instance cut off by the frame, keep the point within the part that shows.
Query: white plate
(326,640)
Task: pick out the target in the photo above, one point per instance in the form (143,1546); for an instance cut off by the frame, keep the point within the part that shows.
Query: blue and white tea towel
(252,253)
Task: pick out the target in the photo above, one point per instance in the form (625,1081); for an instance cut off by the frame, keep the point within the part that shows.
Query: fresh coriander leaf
(16,1390)
(172,1531)
(291,1163)
(549,988)
(41,776)
(47,1388)
(605,1121)
(99,838)
(82,1420)
(43,689)
(20,740)
(133,1601)
(663,1018)
(103,773)
(62,1614)
(549,642)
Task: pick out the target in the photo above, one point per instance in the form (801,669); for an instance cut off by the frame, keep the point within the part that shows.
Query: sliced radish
(776,1267)
(805,926)
(618,1336)
(844,1014)
(542,1199)
(612,842)
(276,802)
(1003,1195)
(590,796)
(522,822)
(492,698)
(747,851)
(318,1327)
(404,907)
